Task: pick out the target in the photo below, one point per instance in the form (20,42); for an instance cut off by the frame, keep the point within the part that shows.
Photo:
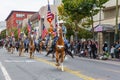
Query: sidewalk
(109,61)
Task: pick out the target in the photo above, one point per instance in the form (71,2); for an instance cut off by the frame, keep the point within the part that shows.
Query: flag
(56,23)
(29,26)
(35,32)
(50,15)
(12,34)
(19,30)
(44,32)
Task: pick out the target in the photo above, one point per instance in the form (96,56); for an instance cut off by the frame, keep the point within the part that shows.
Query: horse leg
(50,51)
(33,52)
(40,50)
(53,56)
(12,50)
(57,59)
(20,51)
(30,54)
(62,59)
(68,52)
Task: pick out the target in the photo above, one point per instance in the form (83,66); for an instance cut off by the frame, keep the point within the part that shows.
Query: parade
(63,40)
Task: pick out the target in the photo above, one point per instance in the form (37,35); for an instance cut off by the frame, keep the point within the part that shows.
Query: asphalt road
(13,67)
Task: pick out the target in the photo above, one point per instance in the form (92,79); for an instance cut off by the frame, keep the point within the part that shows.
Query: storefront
(105,33)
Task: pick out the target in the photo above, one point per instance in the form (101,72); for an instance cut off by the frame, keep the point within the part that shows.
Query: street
(13,67)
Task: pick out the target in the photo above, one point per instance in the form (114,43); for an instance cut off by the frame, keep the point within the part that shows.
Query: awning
(104,27)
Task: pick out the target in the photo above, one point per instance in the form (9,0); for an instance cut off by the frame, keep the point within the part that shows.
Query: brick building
(16,17)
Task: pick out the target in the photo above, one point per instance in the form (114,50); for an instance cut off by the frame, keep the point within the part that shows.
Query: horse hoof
(62,69)
(57,64)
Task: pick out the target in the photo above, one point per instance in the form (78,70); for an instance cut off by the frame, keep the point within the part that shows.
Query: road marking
(16,61)
(5,73)
(76,73)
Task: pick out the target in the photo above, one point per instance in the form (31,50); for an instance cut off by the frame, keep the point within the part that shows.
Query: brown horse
(13,47)
(60,49)
(41,44)
(31,47)
(21,48)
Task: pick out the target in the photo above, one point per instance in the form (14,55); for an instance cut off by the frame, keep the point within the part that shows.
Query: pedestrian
(112,51)
(105,47)
(93,49)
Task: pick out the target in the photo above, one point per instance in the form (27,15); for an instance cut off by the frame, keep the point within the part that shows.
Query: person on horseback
(10,41)
(17,45)
(26,44)
(36,42)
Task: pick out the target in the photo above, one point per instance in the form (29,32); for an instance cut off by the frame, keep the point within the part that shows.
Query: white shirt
(112,50)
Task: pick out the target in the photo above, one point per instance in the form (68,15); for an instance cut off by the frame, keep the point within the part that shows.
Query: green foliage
(25,30)
(74,11)
(3,34)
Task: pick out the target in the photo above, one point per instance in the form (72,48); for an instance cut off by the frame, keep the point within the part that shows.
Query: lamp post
(92,25)
(94,6)
(116,21)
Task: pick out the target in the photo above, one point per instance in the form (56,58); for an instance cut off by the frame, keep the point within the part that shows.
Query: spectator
(112,51)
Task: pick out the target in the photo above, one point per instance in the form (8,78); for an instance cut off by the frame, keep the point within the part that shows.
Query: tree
(74,11)
(3,34)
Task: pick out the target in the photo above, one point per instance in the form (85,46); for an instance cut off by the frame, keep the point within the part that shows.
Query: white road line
(16,61)
(5,73)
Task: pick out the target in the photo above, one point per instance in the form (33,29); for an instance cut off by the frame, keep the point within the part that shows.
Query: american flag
(44,32)
(50,15)
(29,26)
(56,23)
(19,29)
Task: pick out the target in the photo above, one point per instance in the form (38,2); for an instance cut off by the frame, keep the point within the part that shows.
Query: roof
(111,7)
(104,27)
(35,16)
(18,11)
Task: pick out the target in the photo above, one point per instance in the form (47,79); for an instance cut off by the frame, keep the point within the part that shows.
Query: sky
(6,6)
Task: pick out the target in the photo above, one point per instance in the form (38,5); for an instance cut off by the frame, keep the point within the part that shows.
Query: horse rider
(26,44)
(36,42)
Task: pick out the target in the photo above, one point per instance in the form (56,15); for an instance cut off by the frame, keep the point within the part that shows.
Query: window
(20,15)
(18,21)
(109,13)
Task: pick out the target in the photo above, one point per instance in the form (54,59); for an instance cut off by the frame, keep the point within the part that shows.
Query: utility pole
(116,26)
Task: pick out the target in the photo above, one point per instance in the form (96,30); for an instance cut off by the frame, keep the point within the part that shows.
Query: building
(106,21)
(35,19)
(16,17)
(57,2)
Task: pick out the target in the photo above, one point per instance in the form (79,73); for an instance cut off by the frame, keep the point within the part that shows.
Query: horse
(21,47)
(41,45)
(13,45)
(60,49)
(51,48)
(7,45)
(31,47)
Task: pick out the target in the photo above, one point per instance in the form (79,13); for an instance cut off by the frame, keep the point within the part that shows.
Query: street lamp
(94,6)
(116,26)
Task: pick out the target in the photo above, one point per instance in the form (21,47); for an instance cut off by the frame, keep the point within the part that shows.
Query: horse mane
(31,42)
(60,40)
